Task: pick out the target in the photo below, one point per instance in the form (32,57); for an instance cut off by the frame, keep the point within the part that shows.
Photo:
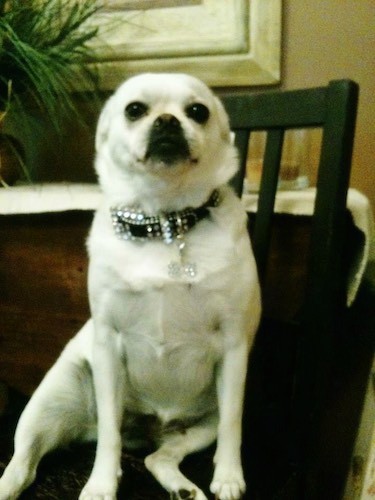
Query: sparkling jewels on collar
(132,224)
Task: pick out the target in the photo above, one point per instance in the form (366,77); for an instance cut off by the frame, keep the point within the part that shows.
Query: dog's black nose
(168,121)
(167,142)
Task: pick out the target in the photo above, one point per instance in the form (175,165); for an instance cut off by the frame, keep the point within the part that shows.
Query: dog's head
(162,129)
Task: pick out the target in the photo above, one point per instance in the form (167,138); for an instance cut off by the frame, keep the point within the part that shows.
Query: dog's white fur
(157,345)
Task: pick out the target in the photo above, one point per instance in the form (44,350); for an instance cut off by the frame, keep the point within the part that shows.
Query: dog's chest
(164,319)
(171,342)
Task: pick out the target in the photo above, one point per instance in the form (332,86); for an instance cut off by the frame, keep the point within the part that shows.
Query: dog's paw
(101,487)
(228,484)
(91,495)
(184,494)
(7,493)
(95,495)
(97,492)
(16,478)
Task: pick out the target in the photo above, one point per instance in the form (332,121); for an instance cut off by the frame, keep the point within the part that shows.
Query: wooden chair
(317,324)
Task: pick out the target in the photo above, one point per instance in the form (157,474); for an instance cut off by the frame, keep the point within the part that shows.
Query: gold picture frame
(224,43)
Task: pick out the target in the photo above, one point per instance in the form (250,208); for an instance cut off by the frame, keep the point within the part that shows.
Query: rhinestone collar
(130,223)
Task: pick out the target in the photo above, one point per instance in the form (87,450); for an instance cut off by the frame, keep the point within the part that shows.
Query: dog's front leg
(228,481)
(109,377)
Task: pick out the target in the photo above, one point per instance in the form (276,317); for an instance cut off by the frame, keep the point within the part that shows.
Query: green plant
(43,48)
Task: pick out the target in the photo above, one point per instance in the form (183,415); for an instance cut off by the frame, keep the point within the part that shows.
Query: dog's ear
(223,120)
(102,127)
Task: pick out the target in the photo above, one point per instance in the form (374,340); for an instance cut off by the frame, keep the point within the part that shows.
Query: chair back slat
(267,193)
(241,141)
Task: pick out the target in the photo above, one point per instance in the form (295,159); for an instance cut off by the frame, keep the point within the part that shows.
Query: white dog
(174,297)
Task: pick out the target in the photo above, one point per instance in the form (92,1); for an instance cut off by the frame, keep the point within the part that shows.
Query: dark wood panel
(43,301)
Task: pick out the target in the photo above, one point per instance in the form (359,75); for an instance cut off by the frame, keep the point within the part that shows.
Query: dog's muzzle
(167,142)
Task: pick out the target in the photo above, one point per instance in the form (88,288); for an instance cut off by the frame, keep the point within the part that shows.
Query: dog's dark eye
(135,110)
(198,112)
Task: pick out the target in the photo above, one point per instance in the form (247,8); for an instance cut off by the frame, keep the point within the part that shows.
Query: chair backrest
(332,108)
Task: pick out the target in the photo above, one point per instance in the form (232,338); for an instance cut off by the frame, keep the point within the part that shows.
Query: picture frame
(232,43)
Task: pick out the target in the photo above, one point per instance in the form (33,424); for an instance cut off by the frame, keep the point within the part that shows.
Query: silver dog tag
(182,269)
(178,269)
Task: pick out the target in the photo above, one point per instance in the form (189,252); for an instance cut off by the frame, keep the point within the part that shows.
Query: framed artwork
(225,43)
